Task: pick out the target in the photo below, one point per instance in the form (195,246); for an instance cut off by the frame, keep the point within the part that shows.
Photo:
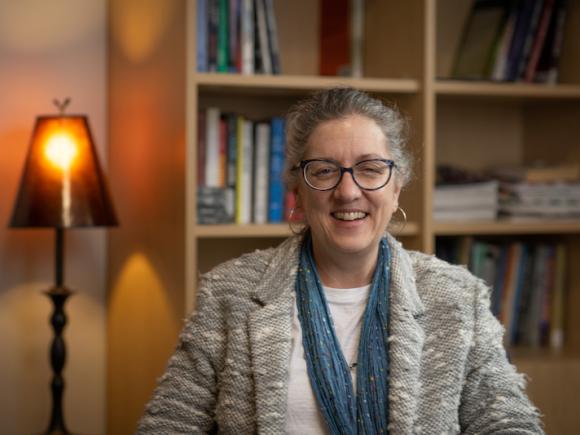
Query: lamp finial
(61,105)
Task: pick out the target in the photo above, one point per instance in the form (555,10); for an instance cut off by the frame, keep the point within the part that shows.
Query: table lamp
(62,186)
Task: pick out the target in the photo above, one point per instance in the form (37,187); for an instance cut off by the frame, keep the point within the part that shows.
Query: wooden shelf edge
(284,83)
(502,227)
(271,230)
(510,90)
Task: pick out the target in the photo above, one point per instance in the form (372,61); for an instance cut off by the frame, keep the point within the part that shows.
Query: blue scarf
(329,374)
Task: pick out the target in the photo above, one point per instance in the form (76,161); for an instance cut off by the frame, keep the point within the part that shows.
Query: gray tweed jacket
(448,369)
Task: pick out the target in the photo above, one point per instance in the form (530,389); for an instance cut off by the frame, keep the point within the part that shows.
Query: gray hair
(337,103)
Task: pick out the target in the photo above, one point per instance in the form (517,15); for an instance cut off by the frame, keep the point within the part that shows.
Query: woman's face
(347,219)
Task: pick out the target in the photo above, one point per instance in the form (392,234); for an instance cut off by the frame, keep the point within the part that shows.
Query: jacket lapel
(270,328)
(406,338)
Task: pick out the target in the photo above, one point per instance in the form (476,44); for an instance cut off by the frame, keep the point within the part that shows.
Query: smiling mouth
(349,215)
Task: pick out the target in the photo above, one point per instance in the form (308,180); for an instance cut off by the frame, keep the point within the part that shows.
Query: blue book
(202,36)
(518,294)
(276,185)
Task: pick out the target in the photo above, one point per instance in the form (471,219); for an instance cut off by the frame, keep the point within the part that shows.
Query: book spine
(223,154)
(247,172)
(554,69)
(212,155)
(558,304)
(232,149)
(234,36)
(276,188)
(247,36)
(273,36)
(264,46)
(202,36)
(525,10)
(201,148)
(213,18)
(262,147)
(539,41)
(529,39)
(223,38)
(356,38)
(240,161)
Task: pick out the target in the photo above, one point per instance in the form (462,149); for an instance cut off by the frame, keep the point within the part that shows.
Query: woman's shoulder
(438,279)
(247,270)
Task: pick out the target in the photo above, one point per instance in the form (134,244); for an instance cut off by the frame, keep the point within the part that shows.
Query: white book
(246,176)
(261,170)
(459,196)
(212,154)
(247,35)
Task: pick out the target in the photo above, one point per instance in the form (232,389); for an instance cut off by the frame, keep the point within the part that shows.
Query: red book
(334,36)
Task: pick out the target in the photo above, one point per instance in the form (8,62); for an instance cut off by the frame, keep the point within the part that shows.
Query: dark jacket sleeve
(493,399)
(184,401)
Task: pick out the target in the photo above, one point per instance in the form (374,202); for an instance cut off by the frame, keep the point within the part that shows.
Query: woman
(341,330)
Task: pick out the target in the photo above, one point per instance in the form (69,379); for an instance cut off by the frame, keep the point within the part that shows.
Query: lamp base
(58,294)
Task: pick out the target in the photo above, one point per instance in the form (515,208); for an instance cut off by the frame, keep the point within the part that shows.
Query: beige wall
(49,49)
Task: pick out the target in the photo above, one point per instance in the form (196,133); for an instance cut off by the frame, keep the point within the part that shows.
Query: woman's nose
(347,189)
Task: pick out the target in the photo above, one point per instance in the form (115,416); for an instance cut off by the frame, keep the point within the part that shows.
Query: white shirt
(347,307)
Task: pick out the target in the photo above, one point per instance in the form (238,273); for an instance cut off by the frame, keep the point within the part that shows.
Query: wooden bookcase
(157,254)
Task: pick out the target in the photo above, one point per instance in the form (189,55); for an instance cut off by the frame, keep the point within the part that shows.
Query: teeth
(349,216)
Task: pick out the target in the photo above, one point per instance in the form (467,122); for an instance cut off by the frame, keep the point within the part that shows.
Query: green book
(223,38)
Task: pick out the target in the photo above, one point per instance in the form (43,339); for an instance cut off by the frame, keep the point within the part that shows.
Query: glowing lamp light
(61,150)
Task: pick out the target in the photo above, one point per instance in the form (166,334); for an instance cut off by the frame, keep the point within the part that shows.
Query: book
(263,42)
(334,37)
(482,31)
(213,19)
(234,48)
(547,70)
(529,38)
(500,57)
(214,205)
(357,20)
(478,200)
(261,171)
(558,299)
(247,36)
(454,15)
(273,37)
(201,148)
(202,35)
(521,29)
(223,40)
(213,145)
(246,188)
(539,41)
(223,152)
(276,183)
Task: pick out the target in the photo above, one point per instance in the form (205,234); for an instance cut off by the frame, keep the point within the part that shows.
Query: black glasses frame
(302,165)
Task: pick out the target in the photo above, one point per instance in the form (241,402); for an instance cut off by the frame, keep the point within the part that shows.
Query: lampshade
(62,185)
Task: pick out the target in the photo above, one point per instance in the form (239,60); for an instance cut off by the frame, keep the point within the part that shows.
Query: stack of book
(542,192)
(466,201)
(527,281)
(512,40)
(240,168)
(237,36)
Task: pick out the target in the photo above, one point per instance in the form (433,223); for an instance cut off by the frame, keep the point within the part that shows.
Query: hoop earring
(291,220)
(400,228)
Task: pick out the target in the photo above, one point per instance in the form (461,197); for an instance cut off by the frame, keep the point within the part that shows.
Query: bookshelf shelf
(298,84)
(271,230)
(506,90)
(506,227)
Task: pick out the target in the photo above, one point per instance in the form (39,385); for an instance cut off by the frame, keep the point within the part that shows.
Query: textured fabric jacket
(448,369)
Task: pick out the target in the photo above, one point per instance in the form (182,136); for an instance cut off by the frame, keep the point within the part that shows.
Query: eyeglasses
(321,174)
